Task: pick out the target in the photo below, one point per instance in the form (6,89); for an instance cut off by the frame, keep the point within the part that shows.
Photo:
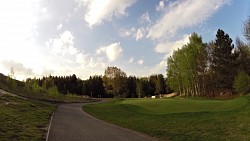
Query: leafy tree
(243,59)
(115,81)
(246,29)
(10,79)
(242,83)
(187,66)
(32,86)
(48,83)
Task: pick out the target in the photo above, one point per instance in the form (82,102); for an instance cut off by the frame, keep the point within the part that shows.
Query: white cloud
(145,18)
(59,27)
(126,32)
(20,71)
(141,61)
(99,10)
(113,51)
(159,68)
(131,60)
(101,50)
(17,22)
(63,44)
(169,46)
(183,14)
(160,6)
(139,34)
(82,58)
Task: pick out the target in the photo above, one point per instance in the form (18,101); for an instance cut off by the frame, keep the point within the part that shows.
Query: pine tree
(223,62)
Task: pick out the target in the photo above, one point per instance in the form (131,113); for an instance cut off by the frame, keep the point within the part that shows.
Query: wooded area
(114,83)
(210,69)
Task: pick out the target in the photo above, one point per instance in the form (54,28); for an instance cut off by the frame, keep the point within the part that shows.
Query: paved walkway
(70,123)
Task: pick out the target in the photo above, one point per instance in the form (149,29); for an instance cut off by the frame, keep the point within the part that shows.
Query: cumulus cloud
(112,51)
(82,58)
(139,34)
(64,44)
(169,46)
(145,18)
(160,6)
(182,14)
(131,60)
(126,32)
(105,9)
(141,61)
(19,69)
(160,67)
(58,27)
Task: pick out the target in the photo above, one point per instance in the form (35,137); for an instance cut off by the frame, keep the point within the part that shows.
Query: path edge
(51,118)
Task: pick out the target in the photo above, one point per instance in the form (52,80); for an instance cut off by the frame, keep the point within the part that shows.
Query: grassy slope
(231,122)
(23,120)
(45,95)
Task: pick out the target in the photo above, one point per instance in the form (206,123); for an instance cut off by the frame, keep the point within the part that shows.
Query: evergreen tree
(223,62)
(160,84)
(131,86)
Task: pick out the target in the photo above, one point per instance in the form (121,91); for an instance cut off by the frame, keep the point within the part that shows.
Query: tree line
(210,69)
(114,83)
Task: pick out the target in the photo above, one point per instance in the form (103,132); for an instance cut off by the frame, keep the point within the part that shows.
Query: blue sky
(83,37)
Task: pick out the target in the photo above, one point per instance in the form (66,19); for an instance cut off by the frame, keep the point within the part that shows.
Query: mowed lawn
(180,119)
(23,120)
(167,106)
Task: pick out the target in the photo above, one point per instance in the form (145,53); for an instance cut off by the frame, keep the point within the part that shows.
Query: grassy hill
(22,119)
(20,88)
(26,118)
(180,119)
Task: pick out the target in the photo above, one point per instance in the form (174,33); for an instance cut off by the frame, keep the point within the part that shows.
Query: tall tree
(131,86)
(95,87)
(187,66)
(223,62)
(160,84)
(115,81)
(246,30)
(142,87)
(152,85)
(243,58)
(242,83)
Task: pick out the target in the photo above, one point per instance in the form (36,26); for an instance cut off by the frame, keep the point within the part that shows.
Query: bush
(242,83)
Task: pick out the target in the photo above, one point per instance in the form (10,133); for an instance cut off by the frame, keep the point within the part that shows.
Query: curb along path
(71,123)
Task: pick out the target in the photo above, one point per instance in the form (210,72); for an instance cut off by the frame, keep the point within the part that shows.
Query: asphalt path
(71,123)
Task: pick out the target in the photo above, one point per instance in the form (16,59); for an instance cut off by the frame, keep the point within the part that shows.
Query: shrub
(242,83)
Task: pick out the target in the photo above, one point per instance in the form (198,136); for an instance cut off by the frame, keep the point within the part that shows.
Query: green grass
(23,120)
(180,119)
(166,106)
